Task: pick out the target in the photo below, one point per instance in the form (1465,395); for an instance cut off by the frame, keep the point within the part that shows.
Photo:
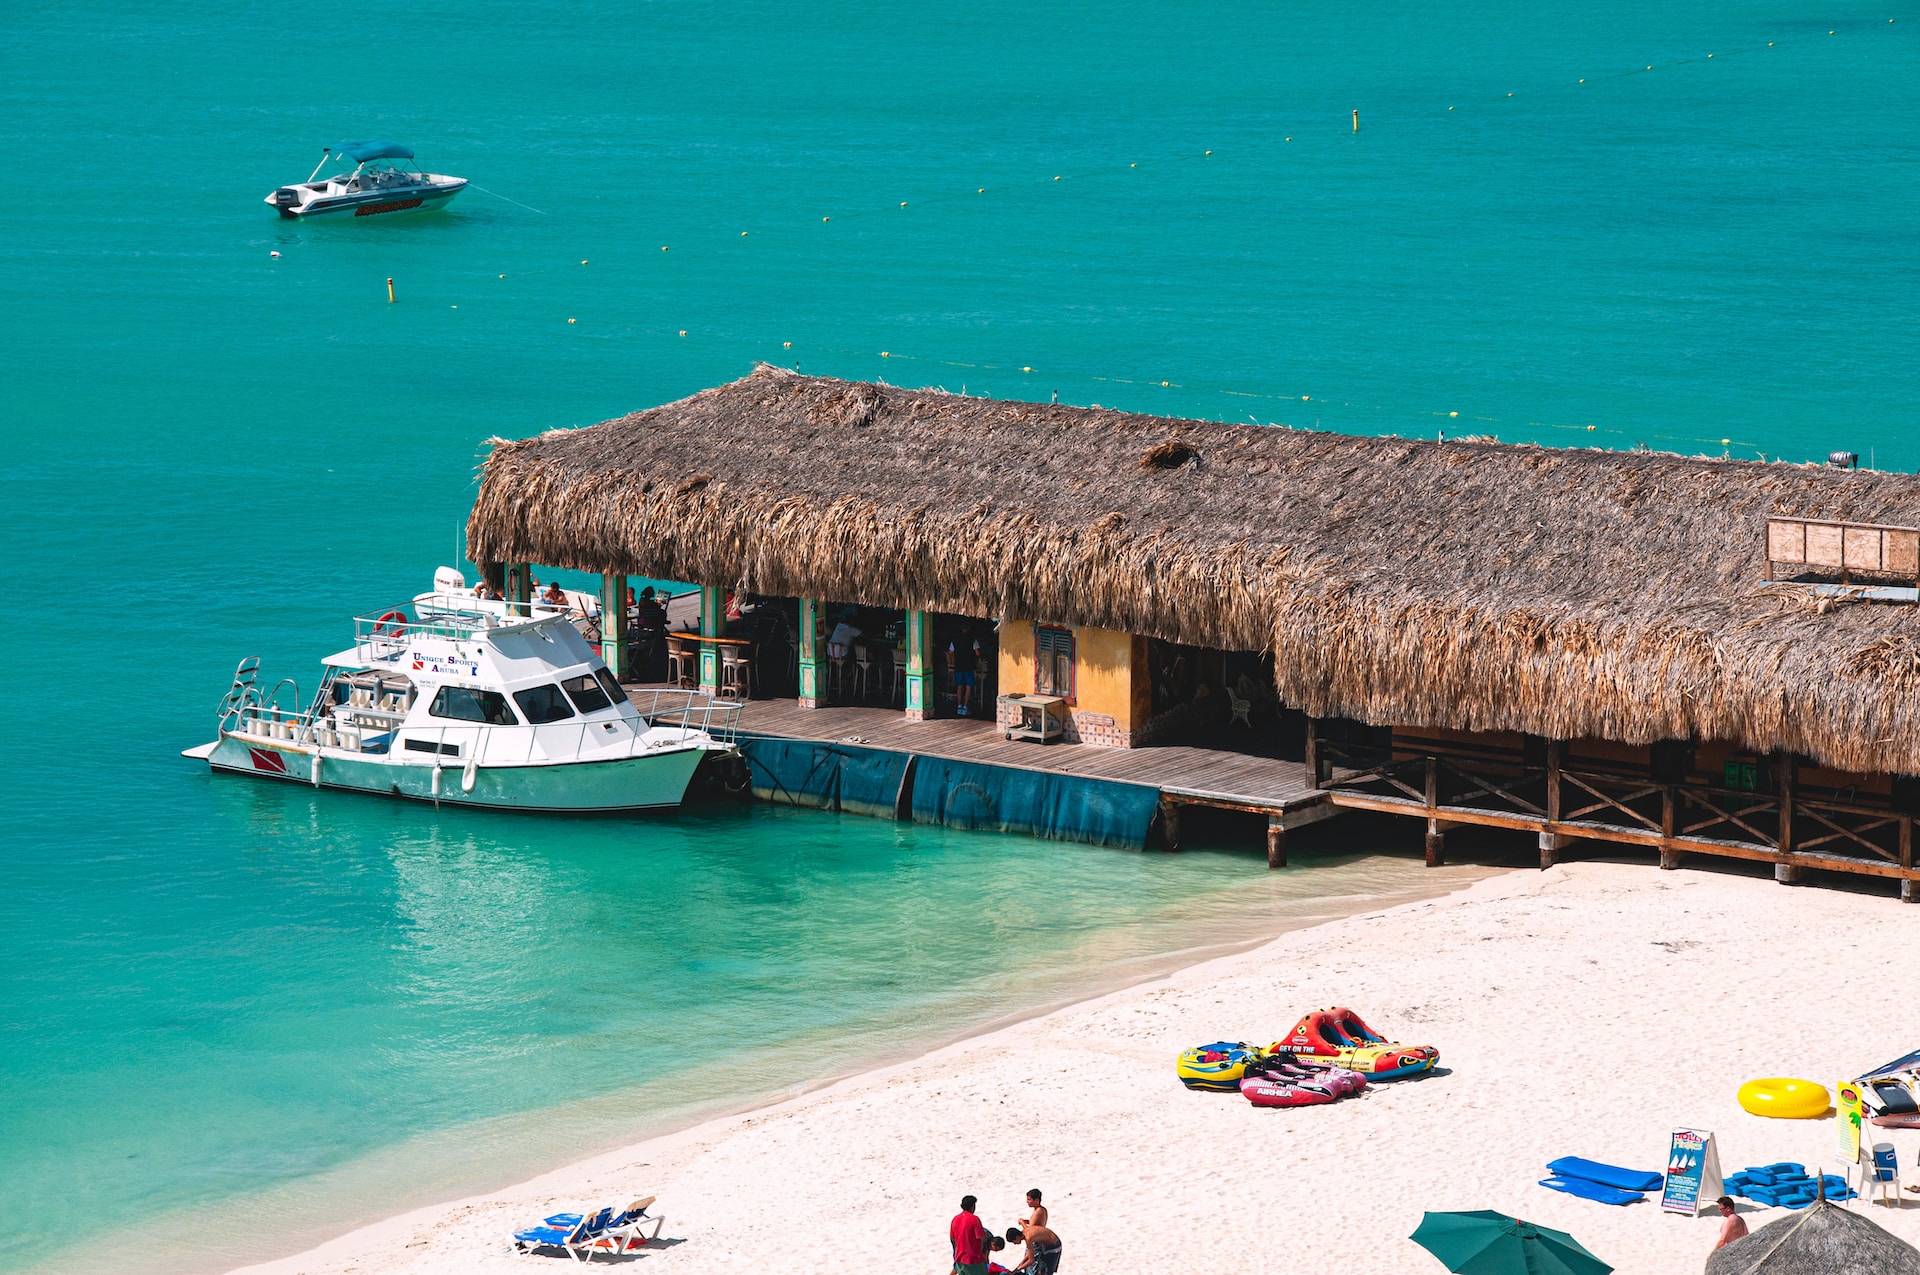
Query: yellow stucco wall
(1016,657)
(1103,678)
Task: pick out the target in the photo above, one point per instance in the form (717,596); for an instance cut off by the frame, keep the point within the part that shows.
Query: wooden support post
(1669,857)
(1436,838)
(1170,824)
(1908,891)
(1550,842)
(613,623)
(919,667)
(1316,768)
(519,590)
(1276,841)
(713,624)
(1786,872)
(813,655)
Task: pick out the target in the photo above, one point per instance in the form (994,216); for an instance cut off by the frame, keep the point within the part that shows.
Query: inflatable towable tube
(1218,1067)
(1340,1036)
(1263,1091)
(1291,1069)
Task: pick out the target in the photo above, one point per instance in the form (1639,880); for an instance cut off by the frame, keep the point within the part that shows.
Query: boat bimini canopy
(361,152)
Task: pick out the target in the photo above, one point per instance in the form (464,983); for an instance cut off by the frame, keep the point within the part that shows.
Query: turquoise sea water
(1565,223)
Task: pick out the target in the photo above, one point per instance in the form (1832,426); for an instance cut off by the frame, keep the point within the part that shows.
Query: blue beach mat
(1572,1166)
(1589,1190)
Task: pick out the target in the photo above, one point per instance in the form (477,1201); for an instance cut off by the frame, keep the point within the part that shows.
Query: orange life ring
(391,624)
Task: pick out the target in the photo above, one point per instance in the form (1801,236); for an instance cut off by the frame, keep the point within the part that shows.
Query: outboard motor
(286,199)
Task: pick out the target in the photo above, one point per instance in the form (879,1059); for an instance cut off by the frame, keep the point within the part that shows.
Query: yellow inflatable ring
(1785,1098)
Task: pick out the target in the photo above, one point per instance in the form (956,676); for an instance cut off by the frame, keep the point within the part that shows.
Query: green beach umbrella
(1482,1242)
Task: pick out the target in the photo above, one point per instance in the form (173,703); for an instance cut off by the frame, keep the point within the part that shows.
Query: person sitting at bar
(555,595)
(650,612)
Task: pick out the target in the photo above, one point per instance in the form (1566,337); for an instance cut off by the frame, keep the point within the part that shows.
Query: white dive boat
(470,704)
(375,185)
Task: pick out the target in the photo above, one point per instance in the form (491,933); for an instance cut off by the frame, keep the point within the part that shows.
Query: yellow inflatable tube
(1785,1098)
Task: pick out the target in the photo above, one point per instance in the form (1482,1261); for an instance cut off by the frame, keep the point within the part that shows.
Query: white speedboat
(469,704)
(375,184)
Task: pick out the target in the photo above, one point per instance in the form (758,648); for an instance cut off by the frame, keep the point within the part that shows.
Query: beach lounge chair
(578,1234)
(629,1228)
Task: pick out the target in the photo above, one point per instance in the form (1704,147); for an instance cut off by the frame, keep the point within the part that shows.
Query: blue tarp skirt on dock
(1001,799)
(803,772)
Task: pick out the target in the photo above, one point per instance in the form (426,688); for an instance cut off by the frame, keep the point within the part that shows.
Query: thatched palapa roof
(1472,585)
(1824,1240)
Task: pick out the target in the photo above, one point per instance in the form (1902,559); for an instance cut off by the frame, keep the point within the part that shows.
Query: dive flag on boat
(267,759)
(1693,1173)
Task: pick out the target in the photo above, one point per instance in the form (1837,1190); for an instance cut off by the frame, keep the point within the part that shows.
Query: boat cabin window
(612,684)
(543,704)
(586,693)
(465,704)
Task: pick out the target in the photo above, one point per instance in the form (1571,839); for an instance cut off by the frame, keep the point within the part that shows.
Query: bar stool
(683,663)
(862,672)
(736,673)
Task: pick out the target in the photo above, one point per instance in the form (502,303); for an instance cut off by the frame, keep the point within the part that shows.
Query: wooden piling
(1276,841)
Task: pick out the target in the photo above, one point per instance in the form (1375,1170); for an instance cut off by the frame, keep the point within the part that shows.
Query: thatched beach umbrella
(1824,1240)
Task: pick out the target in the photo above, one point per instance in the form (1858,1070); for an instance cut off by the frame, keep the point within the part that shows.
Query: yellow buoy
(583,261)
(1163,384)
(1026,369)
(1725,441)
(683,331)
(1784,1098)
(826,219)
(786,345)
(389,290)
(503,276)
(884,354)
(1056,179)
(903,203)
(1453,413)
(1209,152)
(571,320)
(663,248)
(982,190)
(743,234)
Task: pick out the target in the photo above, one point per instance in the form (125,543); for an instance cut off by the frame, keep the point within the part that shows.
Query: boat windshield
(586,693)
(465,704)
(543,704)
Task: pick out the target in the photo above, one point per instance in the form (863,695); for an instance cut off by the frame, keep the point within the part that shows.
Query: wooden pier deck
(1184,775)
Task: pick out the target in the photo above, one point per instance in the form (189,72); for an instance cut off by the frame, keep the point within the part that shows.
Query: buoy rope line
(1558,87)
(783,353)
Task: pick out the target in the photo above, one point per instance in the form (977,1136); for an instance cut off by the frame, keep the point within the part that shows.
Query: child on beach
(1036,1211)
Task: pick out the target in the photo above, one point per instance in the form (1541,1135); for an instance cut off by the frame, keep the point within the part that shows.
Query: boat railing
(687,716)
(691,710)
(384,635)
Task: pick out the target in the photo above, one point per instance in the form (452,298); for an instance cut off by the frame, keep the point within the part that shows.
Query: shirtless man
(1043,1249)
(1036,1211)
(1733,1228)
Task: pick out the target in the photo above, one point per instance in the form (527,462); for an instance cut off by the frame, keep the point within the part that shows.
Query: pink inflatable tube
(1280,1093)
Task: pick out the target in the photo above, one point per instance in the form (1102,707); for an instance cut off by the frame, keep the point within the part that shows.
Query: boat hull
(655,780)
(372,204)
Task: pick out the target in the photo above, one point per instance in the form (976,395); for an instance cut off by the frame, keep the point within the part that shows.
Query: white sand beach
(1586,1010)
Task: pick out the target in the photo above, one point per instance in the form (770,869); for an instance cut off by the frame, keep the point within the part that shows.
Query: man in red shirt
(969,1238)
